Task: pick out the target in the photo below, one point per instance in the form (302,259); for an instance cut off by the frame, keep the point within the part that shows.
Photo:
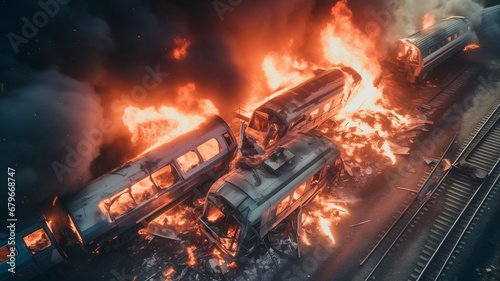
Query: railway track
(436,219)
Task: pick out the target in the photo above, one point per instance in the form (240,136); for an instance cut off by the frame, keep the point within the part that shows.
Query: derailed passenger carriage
(148,185)
(301,108)
(243,206)
(413,57)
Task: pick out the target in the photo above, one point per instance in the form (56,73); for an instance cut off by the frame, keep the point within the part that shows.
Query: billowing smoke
(408,14)
(70,68)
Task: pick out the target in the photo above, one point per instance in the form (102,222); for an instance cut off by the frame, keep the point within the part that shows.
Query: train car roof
(491,9)
(248,189)
(85,202)
(429,37)
(291,103)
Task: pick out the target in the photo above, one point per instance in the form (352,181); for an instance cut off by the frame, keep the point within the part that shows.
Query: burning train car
(301,108)
(118,201)
(33,251)
(144,187)
(244,205)
(413,57)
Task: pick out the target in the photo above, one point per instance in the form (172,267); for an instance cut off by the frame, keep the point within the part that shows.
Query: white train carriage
(301,108)
(146,186)
(242,206)
(413,57)
(489,29)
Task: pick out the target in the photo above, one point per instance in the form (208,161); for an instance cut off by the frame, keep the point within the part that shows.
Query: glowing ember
(176,218)
(324,212)
(155,126)
(428,20)
(471,47)
(192,258)
(182,44)
(169,272)
(54,201)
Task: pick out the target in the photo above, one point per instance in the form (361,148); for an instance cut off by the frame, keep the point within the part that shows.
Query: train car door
(42,248)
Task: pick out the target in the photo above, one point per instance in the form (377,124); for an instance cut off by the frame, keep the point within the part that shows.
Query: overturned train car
(100,213)
(413,57)
(301,108)
(242,206)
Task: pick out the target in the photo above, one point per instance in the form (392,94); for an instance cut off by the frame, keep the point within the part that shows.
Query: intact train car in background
(413,57)
(489,29)
(242,206)
(146,186)
(301,108)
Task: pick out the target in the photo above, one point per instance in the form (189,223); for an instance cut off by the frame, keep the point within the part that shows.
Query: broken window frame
(261,117)
(304,188)
(200,161)
(220,234)
(173,172)
(287,198)
(210,157)
(32,251)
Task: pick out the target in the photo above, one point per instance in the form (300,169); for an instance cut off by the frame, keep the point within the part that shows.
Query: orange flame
(428,20)
(155,126)
(472,46)
(325,226)
(192,258)
(181,51)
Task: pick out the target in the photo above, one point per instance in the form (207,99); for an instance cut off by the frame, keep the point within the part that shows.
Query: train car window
(314,114)
(299,192)
(120,203)
(143,190)
(209,149)
(260,121)
(455,36)
(462,31)
(5,251)
(425,53)
(316,177)
(228,139)
(449,39)
(442,43)
(188,161)
(327,107)
(432,49)
(282,205)
(224,225)
(165,177)
(37,241)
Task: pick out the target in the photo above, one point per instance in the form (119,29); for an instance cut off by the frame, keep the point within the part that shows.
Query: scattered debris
(397,149)
(161,231)
(446,164)
(407,189)
(358,224)
(430,161)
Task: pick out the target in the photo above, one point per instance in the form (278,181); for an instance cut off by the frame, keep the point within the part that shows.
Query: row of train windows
(327,107)
(160,180)
(36,242)
(297,193)
(444,42)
